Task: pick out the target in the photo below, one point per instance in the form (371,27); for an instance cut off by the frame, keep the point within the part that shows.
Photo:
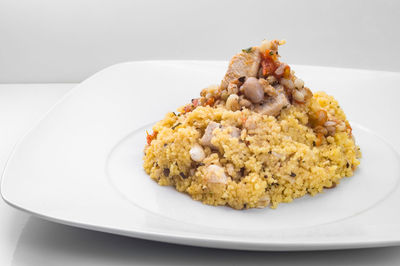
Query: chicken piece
(235,132)
(273,105)
(208,134)
(250,123)
(216,174)
(244,64)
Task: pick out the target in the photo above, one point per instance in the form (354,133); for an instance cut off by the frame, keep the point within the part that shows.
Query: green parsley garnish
(248,50)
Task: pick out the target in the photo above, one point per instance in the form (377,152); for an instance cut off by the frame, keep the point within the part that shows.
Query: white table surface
(27,240)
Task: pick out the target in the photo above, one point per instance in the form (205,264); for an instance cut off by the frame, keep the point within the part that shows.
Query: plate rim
(184,238)
(205,242)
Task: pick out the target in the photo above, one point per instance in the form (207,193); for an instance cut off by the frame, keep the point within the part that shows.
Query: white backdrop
(66,41)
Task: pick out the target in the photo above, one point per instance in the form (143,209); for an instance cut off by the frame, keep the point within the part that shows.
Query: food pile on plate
(259,138)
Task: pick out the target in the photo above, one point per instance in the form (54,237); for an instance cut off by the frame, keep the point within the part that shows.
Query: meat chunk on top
(273,105)
(245,63)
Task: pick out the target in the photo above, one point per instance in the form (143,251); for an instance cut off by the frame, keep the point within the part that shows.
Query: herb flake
(175,126)
(242,79)
(183,175)
(166,172)
(248,50)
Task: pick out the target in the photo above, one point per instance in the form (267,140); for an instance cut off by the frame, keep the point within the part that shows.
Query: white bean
(232,103)
(298,96)
(298,83)
(197,153)
(287,83)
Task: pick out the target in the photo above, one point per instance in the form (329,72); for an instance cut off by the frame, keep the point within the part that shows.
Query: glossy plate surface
(82,165)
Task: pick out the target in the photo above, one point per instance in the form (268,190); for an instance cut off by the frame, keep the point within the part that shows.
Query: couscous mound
(258,139)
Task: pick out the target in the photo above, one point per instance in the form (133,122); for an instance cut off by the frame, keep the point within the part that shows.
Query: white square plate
(82,165)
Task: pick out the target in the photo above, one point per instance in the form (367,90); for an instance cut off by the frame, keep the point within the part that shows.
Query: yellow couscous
(258,139)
